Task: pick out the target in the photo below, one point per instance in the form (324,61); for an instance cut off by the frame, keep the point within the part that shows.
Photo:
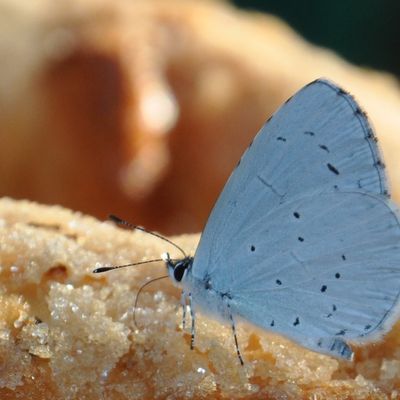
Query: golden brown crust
(66,333)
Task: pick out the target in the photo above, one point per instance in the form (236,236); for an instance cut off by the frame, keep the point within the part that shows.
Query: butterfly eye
(179,271)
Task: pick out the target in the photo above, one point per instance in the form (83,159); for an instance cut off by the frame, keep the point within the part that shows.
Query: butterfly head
(177,269)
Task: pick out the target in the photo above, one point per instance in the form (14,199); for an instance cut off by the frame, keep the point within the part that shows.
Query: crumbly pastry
(68,334)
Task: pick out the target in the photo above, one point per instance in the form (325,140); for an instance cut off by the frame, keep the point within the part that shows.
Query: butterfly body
(205,296)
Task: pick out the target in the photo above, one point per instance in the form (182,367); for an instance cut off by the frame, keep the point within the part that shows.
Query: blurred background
(365,32)
(142,108)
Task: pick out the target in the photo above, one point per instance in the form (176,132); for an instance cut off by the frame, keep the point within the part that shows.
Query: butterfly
(304,240)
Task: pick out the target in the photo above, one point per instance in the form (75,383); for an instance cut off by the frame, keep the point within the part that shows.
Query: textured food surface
(68,334)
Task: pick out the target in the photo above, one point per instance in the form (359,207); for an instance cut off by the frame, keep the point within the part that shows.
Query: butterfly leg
(234,335)
(193,317)
(183,303)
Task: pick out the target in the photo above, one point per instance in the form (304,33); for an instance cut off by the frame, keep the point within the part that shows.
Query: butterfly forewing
(318,141)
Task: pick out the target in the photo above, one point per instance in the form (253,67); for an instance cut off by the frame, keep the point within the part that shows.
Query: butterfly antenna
(127,224)
(105,269)
(138,293)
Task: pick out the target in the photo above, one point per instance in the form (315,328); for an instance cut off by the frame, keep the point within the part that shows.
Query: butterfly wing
(303,237)
(321,266)
(319,140)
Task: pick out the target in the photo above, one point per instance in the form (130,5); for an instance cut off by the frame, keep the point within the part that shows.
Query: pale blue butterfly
(303,240)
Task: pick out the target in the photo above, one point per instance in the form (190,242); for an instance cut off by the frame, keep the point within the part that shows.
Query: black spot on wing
(337,275)
(379,164)
(309,133)
(300,239)
(296,215)
(296,322)
(371,136)
(323,147)
(252,248)
(272,323)
(343,257)
(323,288)
(278,282)
(332,169)
(280,138)
(342,332)
(359,111)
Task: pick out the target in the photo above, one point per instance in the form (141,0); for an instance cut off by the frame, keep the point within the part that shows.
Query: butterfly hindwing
(319,276)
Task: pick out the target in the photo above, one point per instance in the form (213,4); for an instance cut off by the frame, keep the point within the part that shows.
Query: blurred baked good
(143,108)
